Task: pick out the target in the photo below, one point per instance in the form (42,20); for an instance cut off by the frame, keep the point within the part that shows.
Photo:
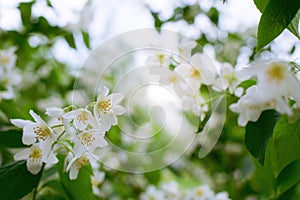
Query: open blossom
(200,70)
(82,118)
(88,140)
(274,78)
(74,164)
(35,157)
(106,108)
(152,193)
(35,131)
(196,104)
(251,105)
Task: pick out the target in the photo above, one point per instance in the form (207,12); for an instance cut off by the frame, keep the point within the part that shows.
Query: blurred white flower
(8,58)
(35,157)
(97,179)
(202,192)
(106,108)
(152,193)
(195,104)
(254,102)
(171,191)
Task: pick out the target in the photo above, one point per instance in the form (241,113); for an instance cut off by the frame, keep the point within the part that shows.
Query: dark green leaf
(276,16)
(71,40)
(258,134)
(288,177)
(25,10)
(16,181)
(11,110)
(261,4)
(11,138)
(286,144)
(78,189)
(86,38)
(57,186)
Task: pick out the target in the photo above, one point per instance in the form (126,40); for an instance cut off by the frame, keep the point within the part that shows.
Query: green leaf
(78,189)
(293,27)
(11,138)
(261,4)
(16,181)
(25,10)
(11,110)
(276,16)
(71,40)
(86,39)
(258,134)
(57,186)
(286,144)
(288,177)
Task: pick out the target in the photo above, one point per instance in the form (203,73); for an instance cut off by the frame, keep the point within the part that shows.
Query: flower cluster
(276,85)
(78,132)
(172,190)
(9,77)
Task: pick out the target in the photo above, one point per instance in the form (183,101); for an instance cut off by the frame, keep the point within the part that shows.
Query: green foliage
(276,16)
(258,134)
(78,189)
(11,138)
(16,181)
(285,144)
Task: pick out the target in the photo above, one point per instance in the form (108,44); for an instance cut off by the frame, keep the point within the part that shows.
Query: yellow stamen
(276,72)
(41,132)
(81,162)
(105,105)
(87,138)
(35,153)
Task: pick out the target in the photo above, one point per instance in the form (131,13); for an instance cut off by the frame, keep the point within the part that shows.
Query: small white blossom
(88,140)
(106,108)
(152,193)
(74,164)
(196,104)
(35,131)
(35,157)
(251,105)
(82,118)
(202,192)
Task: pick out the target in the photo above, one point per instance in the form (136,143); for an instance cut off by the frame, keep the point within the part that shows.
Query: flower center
(195,73)
(81,162)
(4,60)
(173,79)
(199,192)
(35,153)
(86,138)
(276,72)
(41,132)
(82,117)
(105,105)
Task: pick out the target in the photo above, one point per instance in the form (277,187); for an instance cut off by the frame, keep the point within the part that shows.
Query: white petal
(116,97)
(28,134)
(37,118)
(54,112)
(81,125)
(34,167)
(119,110)
(51,159)
(22,155)
(79,148)
(103,93)
(73,172)
(72,114)
(20,122)
(71,161)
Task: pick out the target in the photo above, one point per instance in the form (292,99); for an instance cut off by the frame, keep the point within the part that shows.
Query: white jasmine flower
(274,78)
(152,193)
(106,108)
(160,58)
(82,118)
(75,164)
(196,104)
(88,140)
(8,58)
(199,193)
(227,79)
(171,190)
(35,157)
(254,102)
(97,179)
(35,131)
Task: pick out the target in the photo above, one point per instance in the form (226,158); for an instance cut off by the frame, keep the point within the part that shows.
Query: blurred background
(48,41)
